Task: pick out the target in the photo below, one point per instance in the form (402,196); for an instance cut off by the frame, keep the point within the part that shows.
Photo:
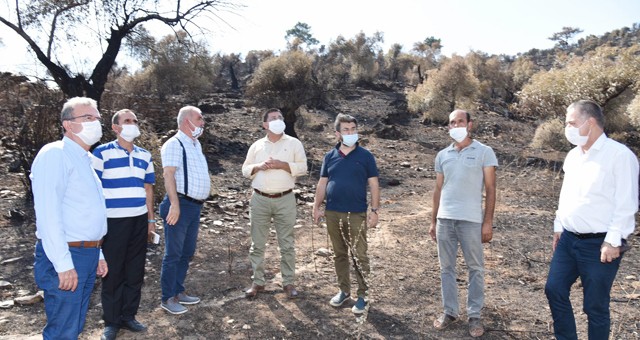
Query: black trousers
(125,250)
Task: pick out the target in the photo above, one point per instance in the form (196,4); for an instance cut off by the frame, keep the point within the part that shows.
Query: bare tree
(50,27)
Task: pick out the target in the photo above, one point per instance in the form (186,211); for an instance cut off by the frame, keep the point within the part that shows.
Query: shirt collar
(599,143)
(452,146)
(117,145)
(184,138)
(74,147)
(284,137)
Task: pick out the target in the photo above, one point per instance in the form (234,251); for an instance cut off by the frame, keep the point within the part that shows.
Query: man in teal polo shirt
(346,171)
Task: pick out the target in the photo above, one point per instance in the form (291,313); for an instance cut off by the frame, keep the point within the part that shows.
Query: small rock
(405,164)
(323,252)
(245,326)
(297,226)
(5,285)
(393,182)
(30,299)
(217,223)
(11,260)
(6,304)
(630,277)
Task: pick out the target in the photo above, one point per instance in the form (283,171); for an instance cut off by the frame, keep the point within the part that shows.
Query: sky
(491,26)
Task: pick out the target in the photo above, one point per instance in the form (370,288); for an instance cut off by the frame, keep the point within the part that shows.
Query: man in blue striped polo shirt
(127,176)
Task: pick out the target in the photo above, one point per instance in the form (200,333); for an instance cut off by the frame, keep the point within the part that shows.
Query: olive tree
(54,29)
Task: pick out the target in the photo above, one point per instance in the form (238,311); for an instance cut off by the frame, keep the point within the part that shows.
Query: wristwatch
(375,210)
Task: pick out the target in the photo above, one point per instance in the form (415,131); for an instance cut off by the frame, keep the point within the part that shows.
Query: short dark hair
(116,116)
(343,118)
(589,108)
(266,113)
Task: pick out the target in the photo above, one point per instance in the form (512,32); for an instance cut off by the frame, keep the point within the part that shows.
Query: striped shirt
(123,177)
(197,168)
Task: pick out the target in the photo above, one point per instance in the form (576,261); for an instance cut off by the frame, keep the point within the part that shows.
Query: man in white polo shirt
(127,176)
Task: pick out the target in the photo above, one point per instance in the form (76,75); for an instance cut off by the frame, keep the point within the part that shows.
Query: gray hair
(182,114)
(116,116)
(70,105)
(589,108)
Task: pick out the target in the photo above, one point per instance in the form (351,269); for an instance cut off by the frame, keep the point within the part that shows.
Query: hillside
(405,294)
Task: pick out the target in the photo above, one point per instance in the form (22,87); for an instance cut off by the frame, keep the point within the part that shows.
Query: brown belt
(276,195)
(85,244)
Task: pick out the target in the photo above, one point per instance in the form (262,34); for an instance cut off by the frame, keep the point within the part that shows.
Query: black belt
(587,236)
(276,195)
(190,199)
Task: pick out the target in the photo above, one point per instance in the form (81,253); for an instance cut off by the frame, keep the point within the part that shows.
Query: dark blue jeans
(66,310)
(575,258)
(179,246)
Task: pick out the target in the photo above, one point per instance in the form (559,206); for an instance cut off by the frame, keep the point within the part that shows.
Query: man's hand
(275,164)
(150,228)
(68,280)
(556,238)
(102,269)
(372,219)
(608,253)
(317,215)
(174,214)
(432,231)
(487,232)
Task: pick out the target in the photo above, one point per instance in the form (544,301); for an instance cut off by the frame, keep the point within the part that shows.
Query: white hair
(70,105)
(182,114)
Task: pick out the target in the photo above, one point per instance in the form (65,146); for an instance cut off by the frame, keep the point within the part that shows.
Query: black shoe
(134,326)
(110,333)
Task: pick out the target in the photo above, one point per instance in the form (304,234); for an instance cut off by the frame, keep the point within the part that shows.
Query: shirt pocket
(471,161)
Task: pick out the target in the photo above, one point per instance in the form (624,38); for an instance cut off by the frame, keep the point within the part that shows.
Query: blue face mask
(349,140)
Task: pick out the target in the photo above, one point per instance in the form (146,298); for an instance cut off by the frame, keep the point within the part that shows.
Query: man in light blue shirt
(71,219)
(127,176)
(186,179)
(464,170)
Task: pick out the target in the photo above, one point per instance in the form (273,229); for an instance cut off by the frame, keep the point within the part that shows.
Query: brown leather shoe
(253,290)
(291,291)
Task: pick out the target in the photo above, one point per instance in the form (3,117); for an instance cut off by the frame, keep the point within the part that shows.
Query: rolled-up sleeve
(299,164)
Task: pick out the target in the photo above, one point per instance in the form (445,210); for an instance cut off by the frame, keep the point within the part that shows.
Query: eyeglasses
(87,118)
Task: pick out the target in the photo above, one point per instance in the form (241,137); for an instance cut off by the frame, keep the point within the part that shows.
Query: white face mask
(91,132)
(197,132)
(277,126)
(573,135)
(129,132)
(349,140)
(458,134)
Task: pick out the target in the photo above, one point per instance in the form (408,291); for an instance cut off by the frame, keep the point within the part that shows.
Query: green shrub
(550,135)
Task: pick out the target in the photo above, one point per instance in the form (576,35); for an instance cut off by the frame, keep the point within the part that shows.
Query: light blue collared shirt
(68,200)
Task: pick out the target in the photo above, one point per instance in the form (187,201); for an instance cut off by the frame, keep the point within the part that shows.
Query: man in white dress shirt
(596,214)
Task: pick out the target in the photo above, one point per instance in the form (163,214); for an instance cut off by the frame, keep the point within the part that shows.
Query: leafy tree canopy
(54,29)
